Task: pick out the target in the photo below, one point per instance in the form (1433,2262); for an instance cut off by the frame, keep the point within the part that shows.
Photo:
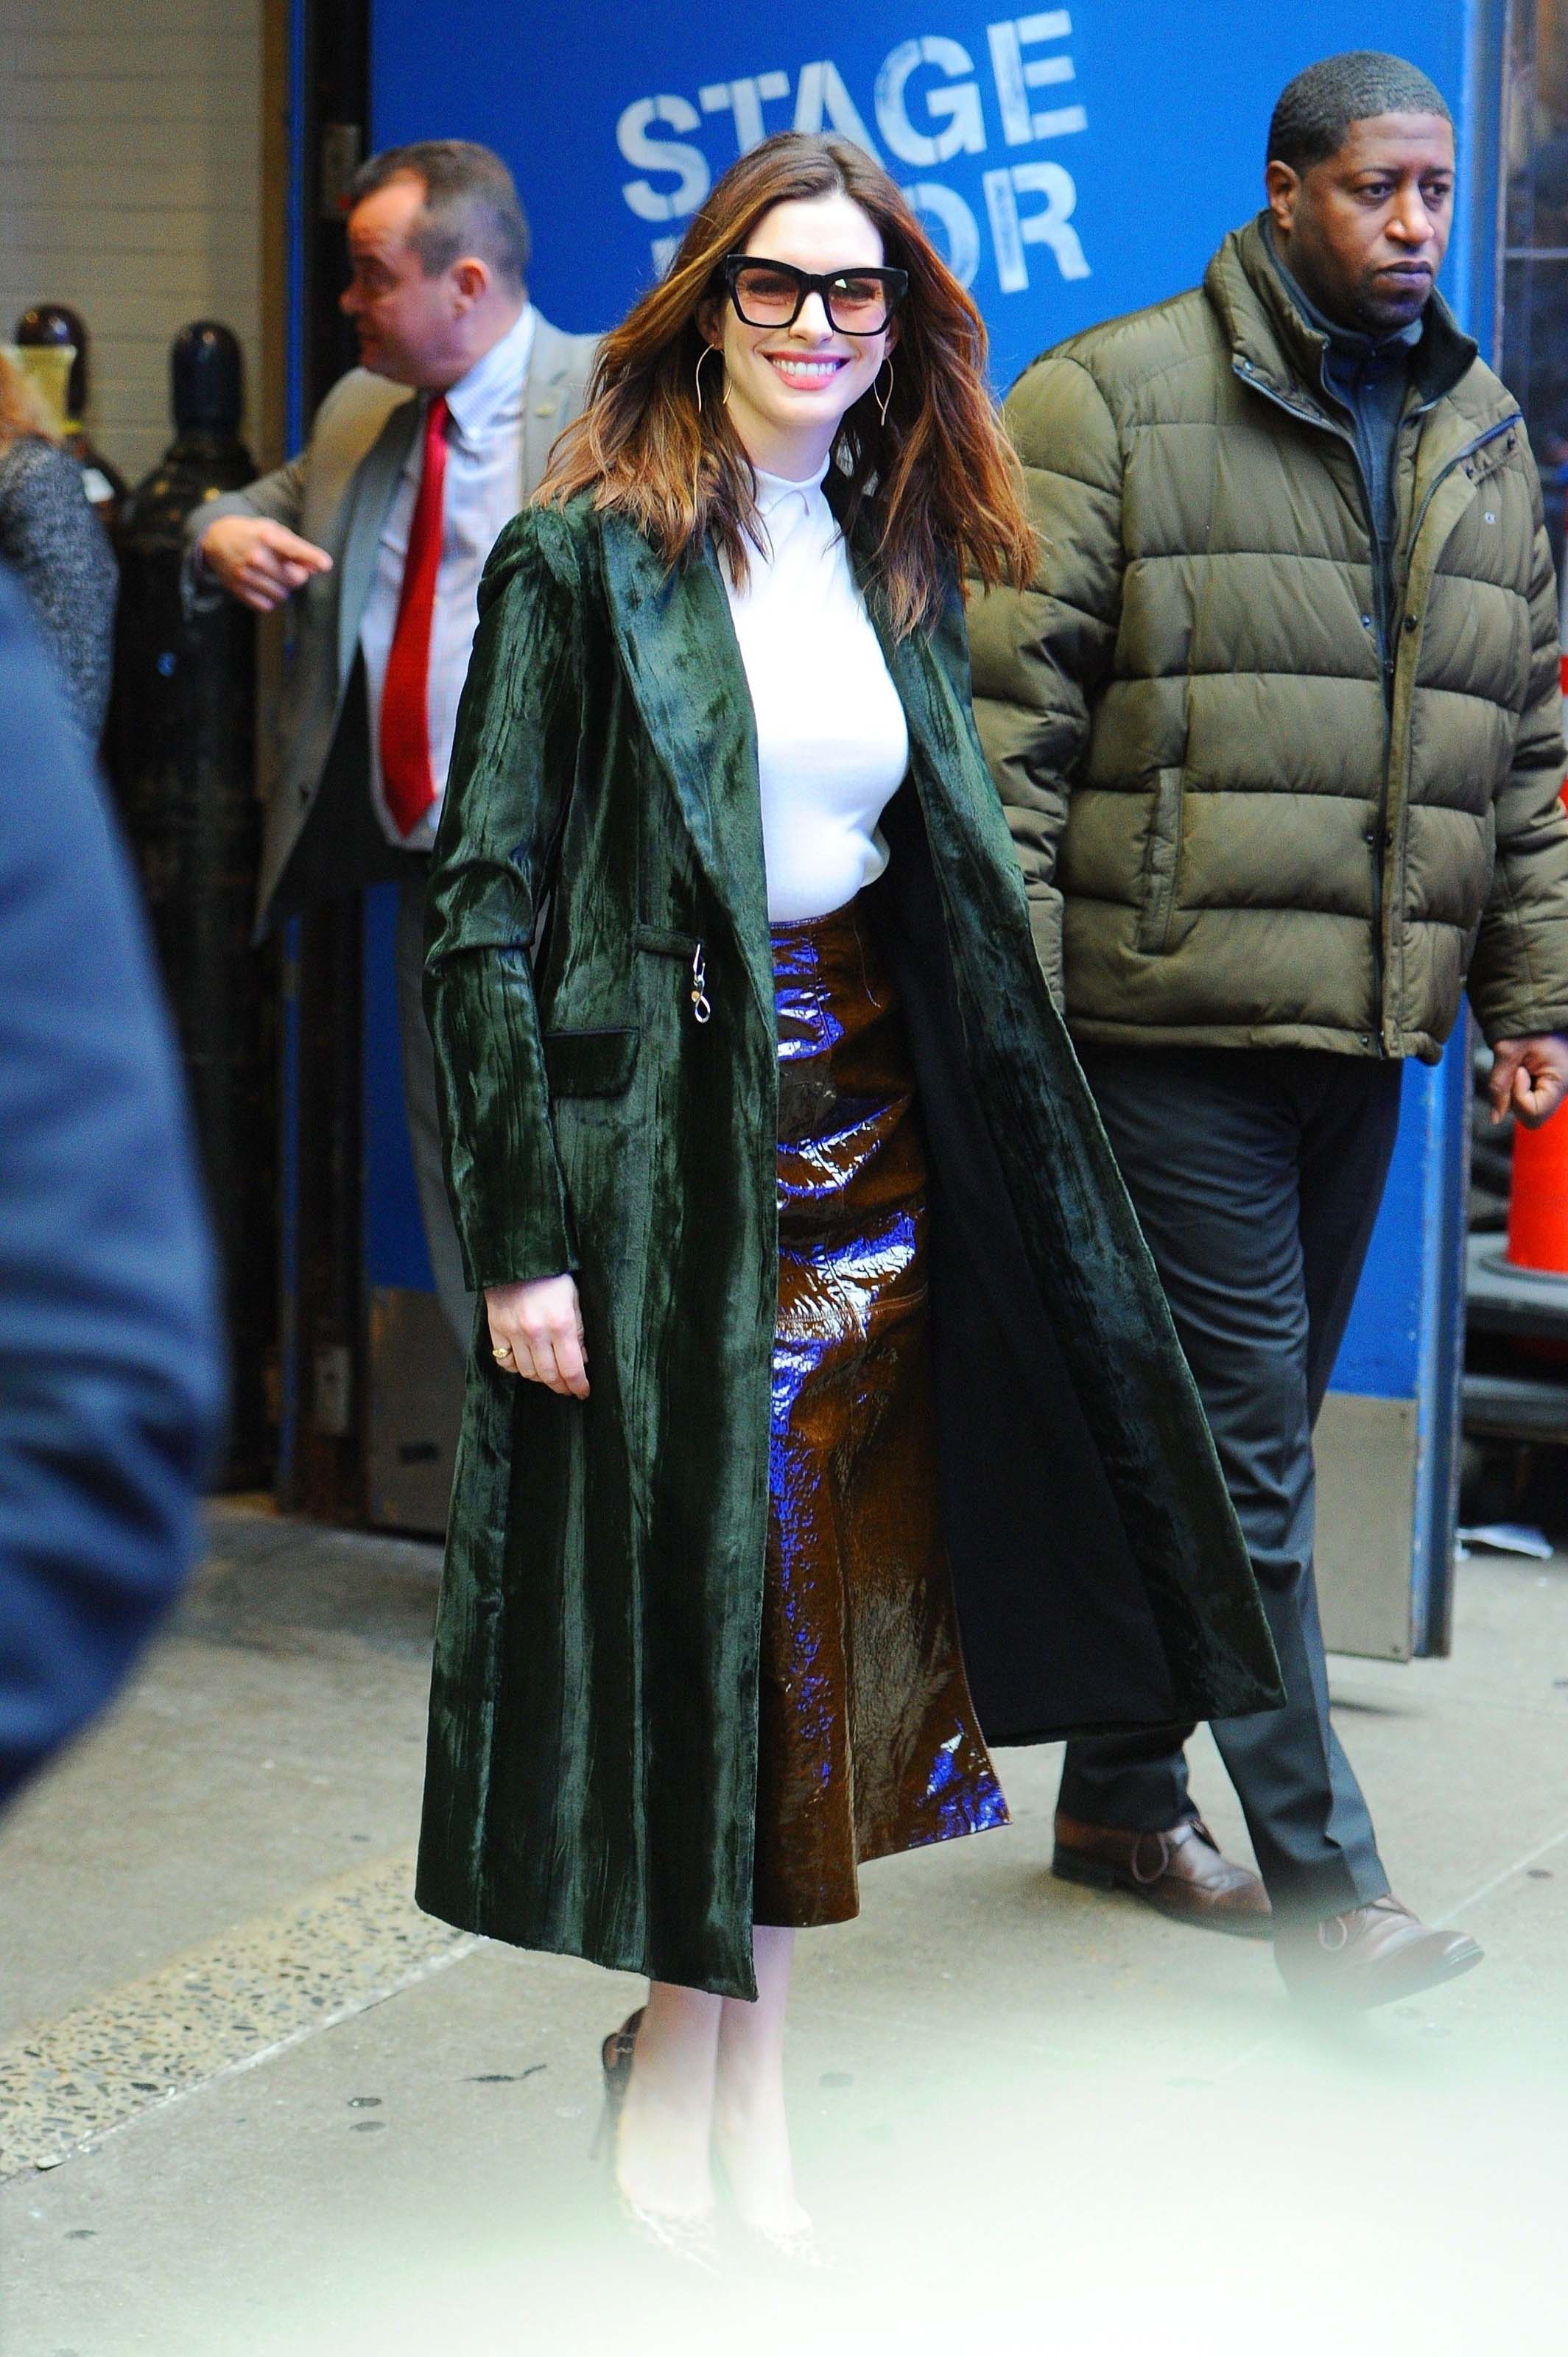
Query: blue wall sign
(1071,163)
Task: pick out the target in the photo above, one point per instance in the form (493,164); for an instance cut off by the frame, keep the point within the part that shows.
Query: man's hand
(1528,1078)
(259,562)
(536,1331)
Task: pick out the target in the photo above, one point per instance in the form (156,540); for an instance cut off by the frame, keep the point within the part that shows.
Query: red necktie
(406,778)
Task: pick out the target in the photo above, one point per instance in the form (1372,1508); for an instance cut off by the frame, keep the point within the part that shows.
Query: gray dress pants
(424,1121)
(1256,1175)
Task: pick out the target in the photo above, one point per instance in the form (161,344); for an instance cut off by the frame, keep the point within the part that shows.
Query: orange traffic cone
(1538,1198)
(1538,1190)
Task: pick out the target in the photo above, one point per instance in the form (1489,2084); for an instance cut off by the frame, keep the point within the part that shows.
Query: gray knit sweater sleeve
(61,555)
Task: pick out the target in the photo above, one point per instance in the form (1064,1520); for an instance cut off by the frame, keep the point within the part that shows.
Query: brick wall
(130,188)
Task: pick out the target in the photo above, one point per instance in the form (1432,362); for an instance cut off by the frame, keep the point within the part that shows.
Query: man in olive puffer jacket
(1278,731)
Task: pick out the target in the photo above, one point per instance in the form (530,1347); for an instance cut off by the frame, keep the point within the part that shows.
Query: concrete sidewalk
(254,2105)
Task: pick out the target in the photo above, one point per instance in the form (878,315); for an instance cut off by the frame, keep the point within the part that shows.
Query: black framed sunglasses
(773,294)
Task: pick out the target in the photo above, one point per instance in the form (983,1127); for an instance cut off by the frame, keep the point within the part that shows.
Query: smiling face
(1366,230)
(787,387)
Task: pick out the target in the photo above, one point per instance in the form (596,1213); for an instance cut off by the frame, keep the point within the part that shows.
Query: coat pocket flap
(664,942)
(590,1063)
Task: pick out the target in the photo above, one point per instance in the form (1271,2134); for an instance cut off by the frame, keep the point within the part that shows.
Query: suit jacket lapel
(684,669)
(548,366)
(370,496)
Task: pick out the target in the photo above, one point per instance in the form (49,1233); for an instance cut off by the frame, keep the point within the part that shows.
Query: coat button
(1366,621)
(1370,838)
(1413,621)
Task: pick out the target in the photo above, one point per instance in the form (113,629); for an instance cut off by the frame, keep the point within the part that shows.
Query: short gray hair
(1316,109)
(470,205)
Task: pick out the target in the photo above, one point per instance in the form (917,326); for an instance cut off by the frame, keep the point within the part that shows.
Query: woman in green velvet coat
(815,1307)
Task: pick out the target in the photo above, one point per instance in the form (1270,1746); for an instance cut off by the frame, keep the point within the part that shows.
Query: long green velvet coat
(592,1758)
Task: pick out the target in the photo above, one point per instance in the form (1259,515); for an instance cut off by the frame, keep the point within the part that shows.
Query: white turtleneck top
(832,741)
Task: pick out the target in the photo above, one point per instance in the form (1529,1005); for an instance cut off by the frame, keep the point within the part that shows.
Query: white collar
(495,381)
(774,490)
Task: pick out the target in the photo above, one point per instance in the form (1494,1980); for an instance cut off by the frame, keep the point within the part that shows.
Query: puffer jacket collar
(1276,348)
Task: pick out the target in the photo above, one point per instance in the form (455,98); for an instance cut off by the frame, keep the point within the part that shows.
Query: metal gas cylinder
(180,749)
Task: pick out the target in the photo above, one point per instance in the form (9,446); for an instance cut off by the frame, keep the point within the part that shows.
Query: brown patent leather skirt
(867,1735)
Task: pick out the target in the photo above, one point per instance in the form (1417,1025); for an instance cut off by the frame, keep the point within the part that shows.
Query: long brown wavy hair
(939,481)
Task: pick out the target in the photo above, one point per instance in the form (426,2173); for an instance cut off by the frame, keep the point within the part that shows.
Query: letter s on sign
(960,104)
(689,165)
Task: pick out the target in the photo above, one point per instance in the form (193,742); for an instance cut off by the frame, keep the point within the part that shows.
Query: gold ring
(501,1353)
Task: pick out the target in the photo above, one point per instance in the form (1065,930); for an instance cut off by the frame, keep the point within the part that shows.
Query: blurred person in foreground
(818,1315)
(380,528)
(111,1392)
(1278,729)
(58,549)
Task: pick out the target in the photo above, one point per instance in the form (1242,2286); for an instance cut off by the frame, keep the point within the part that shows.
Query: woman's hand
(536,1329)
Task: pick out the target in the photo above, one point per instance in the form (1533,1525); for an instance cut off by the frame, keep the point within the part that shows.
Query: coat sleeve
(505,801)
(1519,975)
(111,1383)
(1039,654)
(64,562)
(279,496)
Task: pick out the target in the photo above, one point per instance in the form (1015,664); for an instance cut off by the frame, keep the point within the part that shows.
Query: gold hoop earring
(702,355)
(882,400)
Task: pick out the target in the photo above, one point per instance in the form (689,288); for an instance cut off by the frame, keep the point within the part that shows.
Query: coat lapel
(370,496)
(683,667)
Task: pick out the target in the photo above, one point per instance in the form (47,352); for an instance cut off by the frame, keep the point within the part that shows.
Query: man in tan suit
(379,529)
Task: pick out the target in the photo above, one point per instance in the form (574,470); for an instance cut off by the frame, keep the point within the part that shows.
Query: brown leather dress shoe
(1180,1872)
(1370,1955)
